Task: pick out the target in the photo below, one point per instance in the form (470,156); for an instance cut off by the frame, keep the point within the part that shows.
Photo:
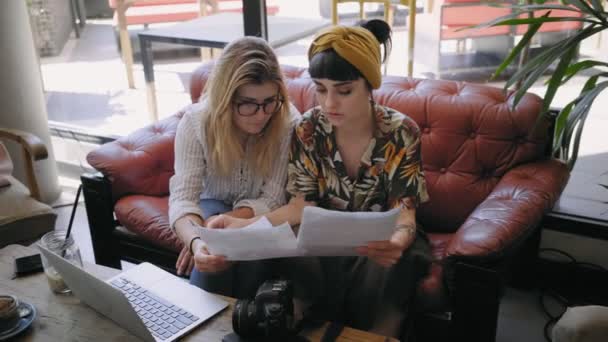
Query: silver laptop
(146,300)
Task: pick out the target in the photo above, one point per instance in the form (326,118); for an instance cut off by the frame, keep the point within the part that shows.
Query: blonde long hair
(248,60)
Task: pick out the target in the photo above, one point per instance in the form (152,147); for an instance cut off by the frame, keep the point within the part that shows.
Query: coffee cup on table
(9,312)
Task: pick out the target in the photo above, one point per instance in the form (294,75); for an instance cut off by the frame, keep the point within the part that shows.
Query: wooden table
(216,31)
(63,317)
(125,42)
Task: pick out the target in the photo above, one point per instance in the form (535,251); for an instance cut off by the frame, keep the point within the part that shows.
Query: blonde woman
(231,153)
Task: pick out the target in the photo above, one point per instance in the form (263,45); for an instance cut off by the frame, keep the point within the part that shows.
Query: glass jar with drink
(56,242)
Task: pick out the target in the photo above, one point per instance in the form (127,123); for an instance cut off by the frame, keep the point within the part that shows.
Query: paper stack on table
(322,233)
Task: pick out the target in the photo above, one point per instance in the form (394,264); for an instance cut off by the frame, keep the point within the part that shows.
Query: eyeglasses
(251,108)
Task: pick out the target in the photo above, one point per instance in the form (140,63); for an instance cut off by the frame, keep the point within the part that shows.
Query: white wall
(22,103)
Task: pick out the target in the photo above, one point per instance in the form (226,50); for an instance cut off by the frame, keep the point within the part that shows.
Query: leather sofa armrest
(510,213)
(141,162)
(97,192)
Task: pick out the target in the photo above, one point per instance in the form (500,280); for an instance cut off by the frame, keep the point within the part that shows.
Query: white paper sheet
(322,233)
(259,240)
(332,233)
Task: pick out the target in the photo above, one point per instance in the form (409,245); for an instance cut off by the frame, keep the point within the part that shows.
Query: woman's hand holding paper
(225,221)
(205,262)
(387,253)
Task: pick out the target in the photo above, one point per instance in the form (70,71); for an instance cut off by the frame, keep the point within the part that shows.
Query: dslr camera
(269,316)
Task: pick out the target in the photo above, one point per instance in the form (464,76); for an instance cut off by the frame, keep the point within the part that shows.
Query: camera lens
(269,315)
(244,320)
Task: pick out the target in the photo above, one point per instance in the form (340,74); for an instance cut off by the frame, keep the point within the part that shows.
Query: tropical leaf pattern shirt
(390,173)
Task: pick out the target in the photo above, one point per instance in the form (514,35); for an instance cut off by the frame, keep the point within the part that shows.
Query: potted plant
(562,55)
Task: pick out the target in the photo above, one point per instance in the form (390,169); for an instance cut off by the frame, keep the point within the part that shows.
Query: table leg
(334,12)
(412,35)
(146,60)
(206,53)
(389,17)
(255,20)
(429,6)
(388,13)
(202,8)
(74,13)
(125,41)
(80,14)
(362,10)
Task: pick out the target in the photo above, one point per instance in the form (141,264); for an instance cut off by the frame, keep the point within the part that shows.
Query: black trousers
(355,290)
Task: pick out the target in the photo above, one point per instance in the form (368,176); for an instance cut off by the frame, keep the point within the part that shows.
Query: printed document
(259,240)
(332,233)
(322,233)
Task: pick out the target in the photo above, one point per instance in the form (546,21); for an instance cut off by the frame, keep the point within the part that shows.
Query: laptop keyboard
(162,318)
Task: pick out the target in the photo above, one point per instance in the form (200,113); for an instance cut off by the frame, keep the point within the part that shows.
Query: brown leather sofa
(489,179)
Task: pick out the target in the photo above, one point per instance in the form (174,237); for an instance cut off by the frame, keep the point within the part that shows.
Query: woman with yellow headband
(350,154)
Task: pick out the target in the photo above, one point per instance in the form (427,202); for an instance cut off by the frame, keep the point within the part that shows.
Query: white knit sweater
(195,179)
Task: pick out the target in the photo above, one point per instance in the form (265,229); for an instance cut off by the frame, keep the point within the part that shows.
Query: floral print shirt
(390,173)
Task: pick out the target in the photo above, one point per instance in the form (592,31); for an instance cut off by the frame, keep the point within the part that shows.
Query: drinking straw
(67,235)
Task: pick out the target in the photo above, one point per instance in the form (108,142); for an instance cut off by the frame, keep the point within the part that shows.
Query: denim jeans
(243,278)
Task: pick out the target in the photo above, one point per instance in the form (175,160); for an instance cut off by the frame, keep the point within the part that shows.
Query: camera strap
(332,332)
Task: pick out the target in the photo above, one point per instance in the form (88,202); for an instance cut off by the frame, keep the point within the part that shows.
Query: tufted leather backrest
(470,138)
(141,162)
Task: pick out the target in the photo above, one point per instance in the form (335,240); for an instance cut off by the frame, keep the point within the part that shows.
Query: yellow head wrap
(356,45)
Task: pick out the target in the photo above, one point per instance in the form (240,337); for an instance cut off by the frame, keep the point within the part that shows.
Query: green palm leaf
(560,123)
(536,67)
(597,5)
(577,117)
(571,119)
(542,20)
(558,74)
(529,8)
(582,5)
(514,19)
(518,48)
(580,66)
